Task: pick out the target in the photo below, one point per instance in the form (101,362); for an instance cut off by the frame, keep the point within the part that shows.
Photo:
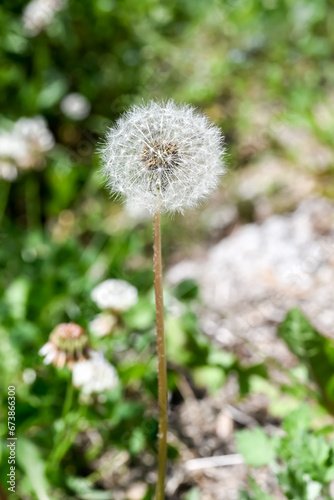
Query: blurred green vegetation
(253,67)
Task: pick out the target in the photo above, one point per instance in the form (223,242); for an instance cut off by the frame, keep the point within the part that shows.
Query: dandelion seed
(163,149)
(67,343)
(116,295)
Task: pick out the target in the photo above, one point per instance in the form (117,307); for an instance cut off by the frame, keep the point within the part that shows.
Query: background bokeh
(263,71)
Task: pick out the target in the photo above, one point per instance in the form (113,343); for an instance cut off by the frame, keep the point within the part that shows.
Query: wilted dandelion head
(67,343)
(163,155)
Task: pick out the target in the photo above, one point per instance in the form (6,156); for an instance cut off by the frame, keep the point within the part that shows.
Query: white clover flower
(35,132)
(75,106)
(13,147)
(95,374)
(29,376)
(8,171)
(163,152)
(116,295)
(26,143)
(102,324)
(38,14)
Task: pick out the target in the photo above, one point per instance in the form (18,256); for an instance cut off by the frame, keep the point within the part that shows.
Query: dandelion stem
(161,349)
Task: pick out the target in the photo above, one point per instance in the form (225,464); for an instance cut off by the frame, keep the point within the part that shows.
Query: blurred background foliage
(257,68)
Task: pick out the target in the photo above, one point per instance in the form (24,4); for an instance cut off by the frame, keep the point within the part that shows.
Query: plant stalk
(5,188)
(161,350)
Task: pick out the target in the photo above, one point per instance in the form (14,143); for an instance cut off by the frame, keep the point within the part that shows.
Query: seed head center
(160,157)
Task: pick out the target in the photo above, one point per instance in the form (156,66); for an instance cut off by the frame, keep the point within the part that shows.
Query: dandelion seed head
(166,152)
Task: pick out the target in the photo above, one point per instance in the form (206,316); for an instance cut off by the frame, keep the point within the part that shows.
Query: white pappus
(163,156)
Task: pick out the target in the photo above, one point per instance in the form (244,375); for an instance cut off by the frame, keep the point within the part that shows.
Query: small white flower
(116,295)
(102,324)
(14,148)
(94,375)
(75,106)
(8,171)
(27,142)
(38,14)
(29,376)
(165,152)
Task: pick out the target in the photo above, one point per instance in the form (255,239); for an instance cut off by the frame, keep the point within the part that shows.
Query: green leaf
(31,462)
(130,371)
(85,491)
(187,289)
(258,493)
(52,92)
(141,316)
(137,441)
(256,447)
(222,358)
(316,351)
(317,449)
(210,377)
(193,494)
(329,474)
(176,341)
(298,420)
(17,297)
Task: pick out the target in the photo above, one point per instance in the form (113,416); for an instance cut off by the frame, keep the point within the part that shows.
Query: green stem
(5,188)
(62,442)
(161,350)
(68,399)
(33,201)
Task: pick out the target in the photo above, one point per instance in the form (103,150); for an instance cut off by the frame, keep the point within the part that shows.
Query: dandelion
(94,375)
(115,295)
(163,157)
(102,324)
(163,149)
(67,344)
